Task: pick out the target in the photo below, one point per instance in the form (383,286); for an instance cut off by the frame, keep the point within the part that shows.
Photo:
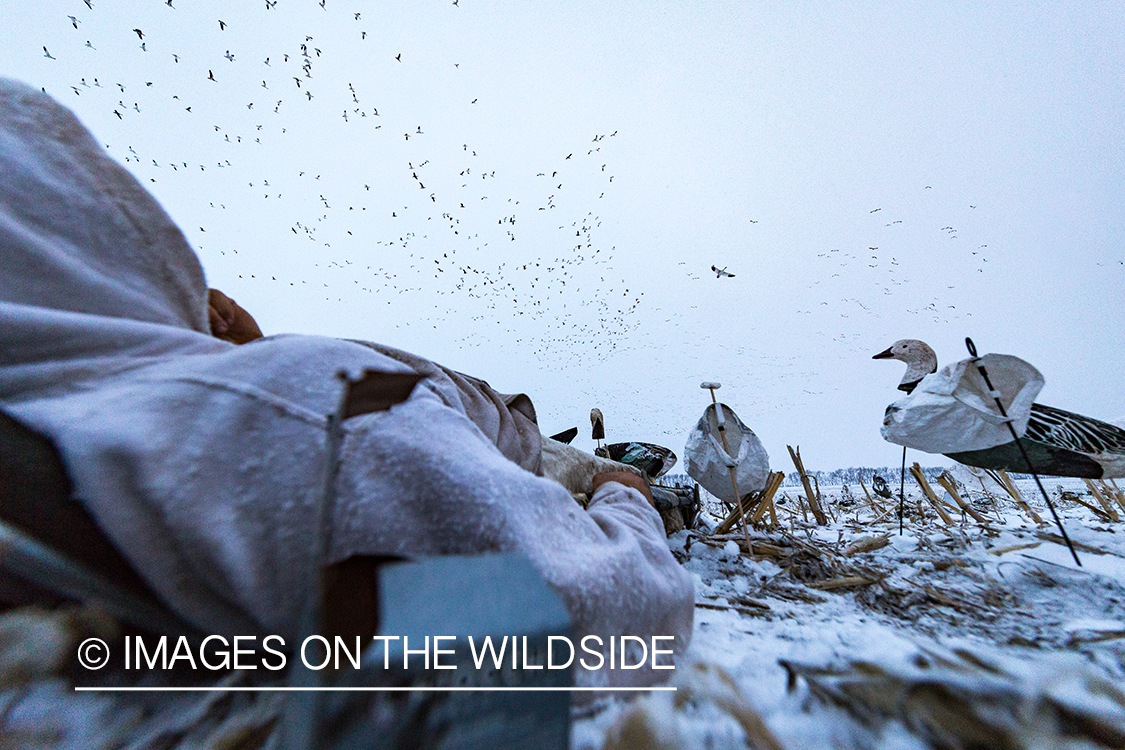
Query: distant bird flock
(315,165)
(441,239)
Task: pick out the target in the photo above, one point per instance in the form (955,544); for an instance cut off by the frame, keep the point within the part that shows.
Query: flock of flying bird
(446,214)
(441,240)
(513,252)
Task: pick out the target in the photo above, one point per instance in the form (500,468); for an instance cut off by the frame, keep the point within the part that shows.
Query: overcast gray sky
(535,192)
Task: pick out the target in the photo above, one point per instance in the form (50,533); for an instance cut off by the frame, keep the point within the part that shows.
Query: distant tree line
(835,477)
(853,474)
(676,480)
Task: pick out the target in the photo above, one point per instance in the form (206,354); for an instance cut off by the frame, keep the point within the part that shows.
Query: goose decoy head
(919,358)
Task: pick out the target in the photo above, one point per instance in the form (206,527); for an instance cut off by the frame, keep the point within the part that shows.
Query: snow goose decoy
(1059,443)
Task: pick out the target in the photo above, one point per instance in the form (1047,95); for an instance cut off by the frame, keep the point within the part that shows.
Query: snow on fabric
(952,411)
(202,460)
(709,463)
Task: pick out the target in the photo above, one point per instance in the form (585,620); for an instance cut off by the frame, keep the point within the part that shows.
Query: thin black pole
(902,491)
(1031,469)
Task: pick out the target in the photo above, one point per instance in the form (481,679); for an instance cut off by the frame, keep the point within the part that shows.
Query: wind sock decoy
(952,412)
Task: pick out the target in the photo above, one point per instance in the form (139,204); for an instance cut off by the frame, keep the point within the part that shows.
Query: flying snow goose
(1059,443)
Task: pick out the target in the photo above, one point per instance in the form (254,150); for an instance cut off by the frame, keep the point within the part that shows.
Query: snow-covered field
(962,635)
(849,635)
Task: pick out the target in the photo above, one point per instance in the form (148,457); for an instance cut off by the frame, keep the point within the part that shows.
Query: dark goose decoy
(1059,443)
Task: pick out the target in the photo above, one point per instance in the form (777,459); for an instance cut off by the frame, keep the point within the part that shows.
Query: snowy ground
(965,635)
(970,632)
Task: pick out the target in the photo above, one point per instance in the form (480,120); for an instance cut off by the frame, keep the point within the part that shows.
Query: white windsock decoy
(1059,443)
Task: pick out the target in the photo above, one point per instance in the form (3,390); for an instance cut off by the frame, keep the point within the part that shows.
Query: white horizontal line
(250,689)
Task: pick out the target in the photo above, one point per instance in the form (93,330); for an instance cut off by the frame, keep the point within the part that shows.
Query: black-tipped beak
(886,354)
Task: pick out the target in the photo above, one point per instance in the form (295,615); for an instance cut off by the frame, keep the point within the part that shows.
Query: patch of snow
(1006,594)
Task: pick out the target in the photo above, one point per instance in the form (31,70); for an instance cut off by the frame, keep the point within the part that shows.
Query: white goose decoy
(1059,443)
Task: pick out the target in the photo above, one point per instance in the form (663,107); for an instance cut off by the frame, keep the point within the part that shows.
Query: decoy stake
(723,434)
(902,492)
(1030,468)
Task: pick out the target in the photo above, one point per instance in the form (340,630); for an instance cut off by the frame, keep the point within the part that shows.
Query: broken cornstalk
(866,544)
(1117,493)
(820,499)
(814,504)
(761,500)
(920,478)
(1109,509)
(766,503)
(1010,487)
(1097,511)
(870,500)
(948,485)
(837,583)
